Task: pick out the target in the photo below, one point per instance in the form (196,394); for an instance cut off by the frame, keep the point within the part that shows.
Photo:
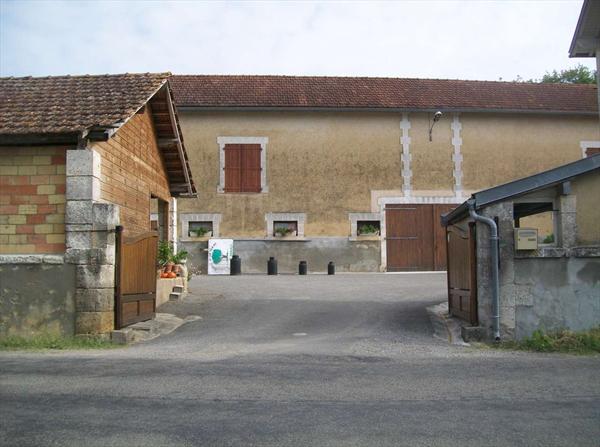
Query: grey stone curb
(444,326)
(162,324)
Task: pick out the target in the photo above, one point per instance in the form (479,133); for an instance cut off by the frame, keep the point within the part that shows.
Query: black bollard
(302,268)
(272,266)
(331,268)
(235,265)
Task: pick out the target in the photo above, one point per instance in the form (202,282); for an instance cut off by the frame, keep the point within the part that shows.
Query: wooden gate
(135,282)
(415,239)
(462,272)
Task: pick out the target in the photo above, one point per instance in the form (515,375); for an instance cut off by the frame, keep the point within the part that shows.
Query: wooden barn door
(415,239)
(462,273)
(135,285)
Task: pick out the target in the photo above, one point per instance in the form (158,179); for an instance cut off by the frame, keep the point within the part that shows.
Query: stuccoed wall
(363,256)
(556,293)
(327,164)
(37,296)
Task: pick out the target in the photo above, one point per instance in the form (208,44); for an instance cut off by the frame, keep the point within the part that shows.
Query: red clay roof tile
(70,104)
(380,93)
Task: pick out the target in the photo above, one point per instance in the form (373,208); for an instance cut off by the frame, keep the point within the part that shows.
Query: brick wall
(32,200)
(132,171)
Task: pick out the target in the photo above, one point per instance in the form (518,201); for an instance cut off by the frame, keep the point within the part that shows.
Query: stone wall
(552,288)
(37,295)
(363,256)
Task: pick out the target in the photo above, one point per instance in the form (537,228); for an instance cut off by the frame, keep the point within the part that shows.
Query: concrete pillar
(173,223)
(90,243)
(567,221)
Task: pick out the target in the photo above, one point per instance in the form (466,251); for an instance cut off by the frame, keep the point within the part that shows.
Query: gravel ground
(345,360)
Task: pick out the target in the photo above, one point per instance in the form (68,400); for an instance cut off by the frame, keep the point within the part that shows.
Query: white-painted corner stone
(457,157)
(406,157)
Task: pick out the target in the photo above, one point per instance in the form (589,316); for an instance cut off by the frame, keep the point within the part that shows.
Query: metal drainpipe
(494,255)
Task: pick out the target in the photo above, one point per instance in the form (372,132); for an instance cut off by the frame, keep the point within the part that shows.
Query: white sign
(220,252)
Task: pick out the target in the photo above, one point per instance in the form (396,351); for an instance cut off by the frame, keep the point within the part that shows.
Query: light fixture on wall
(436,117)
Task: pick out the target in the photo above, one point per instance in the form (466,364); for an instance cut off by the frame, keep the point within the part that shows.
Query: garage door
(415,239)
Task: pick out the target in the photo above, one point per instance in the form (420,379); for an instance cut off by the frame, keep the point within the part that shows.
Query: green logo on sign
(217,255)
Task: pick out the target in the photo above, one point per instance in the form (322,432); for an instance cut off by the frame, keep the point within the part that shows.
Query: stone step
(174,296)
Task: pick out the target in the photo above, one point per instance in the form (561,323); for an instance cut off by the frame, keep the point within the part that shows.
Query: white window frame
(299,218)
(585,145)
(263,141)
(186,218)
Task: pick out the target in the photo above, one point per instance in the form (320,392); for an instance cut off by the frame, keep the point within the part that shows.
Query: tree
(579,74)
(576,75)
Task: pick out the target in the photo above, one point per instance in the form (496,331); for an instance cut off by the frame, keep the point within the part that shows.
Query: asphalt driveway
(288,360)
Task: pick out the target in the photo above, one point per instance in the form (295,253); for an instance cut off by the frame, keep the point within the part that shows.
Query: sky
(487,40)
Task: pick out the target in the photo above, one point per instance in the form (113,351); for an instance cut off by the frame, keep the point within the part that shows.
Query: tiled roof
(70,104)
(380,93)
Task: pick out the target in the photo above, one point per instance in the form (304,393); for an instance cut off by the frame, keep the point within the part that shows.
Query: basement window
(285,225)
(199,226)
(368,228)
(364,225)
(200,229)
(283,228)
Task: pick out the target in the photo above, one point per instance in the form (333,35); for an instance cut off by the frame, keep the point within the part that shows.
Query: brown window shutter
(233,168)
(592,151)
(251,168)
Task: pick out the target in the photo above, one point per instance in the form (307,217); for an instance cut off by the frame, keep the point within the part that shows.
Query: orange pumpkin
(172,275)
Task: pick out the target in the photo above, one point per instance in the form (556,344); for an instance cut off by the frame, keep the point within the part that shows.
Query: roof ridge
(87,76)
(269,76)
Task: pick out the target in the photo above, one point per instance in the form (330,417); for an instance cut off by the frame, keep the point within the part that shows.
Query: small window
(200,229)
(283,228)
(368,228)
(197,226)
(364,225)
(538,215)
(285,225)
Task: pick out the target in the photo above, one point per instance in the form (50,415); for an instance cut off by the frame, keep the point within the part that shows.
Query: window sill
(364,238)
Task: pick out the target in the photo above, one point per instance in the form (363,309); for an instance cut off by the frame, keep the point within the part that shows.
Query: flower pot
(168,267)
(176,268)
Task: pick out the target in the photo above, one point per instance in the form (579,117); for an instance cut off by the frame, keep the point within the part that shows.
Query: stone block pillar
(90,243)
(567,221)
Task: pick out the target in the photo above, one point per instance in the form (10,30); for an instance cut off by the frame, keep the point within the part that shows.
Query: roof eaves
(41,139)
(197,108)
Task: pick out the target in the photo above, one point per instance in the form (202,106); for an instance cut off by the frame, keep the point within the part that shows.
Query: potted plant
(178,259)
(201,232)
(283,231)
(368,230)
(165,256)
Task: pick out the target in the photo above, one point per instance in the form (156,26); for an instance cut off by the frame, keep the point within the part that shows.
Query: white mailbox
(526,238)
